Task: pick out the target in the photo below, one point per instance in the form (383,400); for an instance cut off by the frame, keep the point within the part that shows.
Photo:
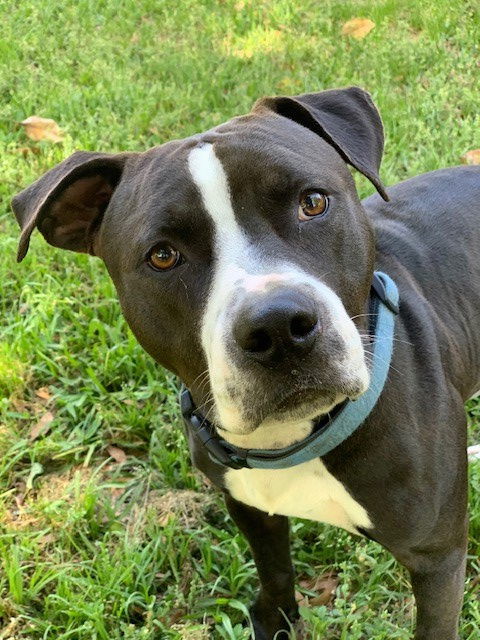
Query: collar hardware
(327,433)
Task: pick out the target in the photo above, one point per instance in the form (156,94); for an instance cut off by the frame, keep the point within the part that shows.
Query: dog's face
(242,256)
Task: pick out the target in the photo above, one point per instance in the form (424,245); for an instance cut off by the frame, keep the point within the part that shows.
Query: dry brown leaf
(43,393)
(325,585)
(471,157)
(327,588)
(42,426)
(38,128)
(357,28)
(116,453)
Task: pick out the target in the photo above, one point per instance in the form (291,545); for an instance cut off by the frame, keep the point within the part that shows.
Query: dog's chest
(307,491)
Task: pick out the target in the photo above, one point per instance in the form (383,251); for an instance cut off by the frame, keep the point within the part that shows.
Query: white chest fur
(304,491)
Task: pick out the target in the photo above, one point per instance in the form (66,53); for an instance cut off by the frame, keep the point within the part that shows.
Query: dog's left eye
(163,257)
(312,204)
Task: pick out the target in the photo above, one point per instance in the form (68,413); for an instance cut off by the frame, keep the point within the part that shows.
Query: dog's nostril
(258,341)
(270,329)
(302,324)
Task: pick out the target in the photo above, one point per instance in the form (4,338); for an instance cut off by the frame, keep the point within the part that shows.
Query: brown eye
(312,204)
(163,257)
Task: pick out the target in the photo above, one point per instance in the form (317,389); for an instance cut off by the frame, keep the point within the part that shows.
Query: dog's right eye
(163,257)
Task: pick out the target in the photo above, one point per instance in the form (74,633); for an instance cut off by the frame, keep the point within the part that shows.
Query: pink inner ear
(74,211)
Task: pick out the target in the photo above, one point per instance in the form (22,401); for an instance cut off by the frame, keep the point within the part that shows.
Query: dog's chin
(289,420)
(292,411)
(301,406)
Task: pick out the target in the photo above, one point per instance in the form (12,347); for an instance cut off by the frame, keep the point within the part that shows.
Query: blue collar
(327,433)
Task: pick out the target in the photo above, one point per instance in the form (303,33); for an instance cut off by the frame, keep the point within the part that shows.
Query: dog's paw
(274,624)
(261,633)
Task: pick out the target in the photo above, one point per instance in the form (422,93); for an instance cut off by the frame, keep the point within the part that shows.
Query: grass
(141,548)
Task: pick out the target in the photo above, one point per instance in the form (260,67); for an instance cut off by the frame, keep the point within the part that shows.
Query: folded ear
(346,118)
(67,203)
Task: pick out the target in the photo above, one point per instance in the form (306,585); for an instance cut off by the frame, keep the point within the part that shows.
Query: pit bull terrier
(244,261)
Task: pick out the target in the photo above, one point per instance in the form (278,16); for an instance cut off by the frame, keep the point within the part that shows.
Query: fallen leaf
(116,453)
(38,128)
(43,393)
(357,28)
(325,585)
(42,426)
(471,157)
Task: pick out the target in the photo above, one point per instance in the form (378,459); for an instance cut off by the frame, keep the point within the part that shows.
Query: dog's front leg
(268,537)
(439,595)
(438,579)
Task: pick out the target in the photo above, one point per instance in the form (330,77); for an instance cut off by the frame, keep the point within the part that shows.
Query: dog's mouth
(300,405)
(262,410)
(296,403)
(288,418)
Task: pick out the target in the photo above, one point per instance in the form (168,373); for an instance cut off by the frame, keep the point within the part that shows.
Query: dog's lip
(301,396)
(299,404)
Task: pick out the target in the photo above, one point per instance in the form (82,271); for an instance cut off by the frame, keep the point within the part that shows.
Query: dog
(243,260)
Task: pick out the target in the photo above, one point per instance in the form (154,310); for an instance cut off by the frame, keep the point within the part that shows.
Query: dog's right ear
(67,203)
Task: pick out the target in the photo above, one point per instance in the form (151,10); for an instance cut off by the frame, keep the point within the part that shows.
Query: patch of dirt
(189,632)
(24,513)
(58,486)
(186,506)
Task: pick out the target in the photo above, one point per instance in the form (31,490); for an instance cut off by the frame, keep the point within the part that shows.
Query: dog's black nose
(276,326)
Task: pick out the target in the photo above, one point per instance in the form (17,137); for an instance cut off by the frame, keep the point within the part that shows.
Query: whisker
(200,375)
(376,338)
(363,315)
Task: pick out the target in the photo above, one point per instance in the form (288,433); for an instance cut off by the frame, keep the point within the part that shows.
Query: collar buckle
(219,450)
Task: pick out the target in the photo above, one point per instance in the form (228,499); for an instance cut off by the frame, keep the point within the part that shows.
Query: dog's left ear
(346,118)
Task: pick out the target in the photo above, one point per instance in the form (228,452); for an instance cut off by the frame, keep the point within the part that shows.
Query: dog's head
(242,256)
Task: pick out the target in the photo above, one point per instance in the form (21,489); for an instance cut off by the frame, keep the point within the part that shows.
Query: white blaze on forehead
(211,180)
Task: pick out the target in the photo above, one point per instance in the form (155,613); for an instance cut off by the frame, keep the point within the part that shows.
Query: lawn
(106,531)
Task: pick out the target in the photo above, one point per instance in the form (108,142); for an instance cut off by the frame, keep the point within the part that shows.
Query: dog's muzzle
(328,432)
